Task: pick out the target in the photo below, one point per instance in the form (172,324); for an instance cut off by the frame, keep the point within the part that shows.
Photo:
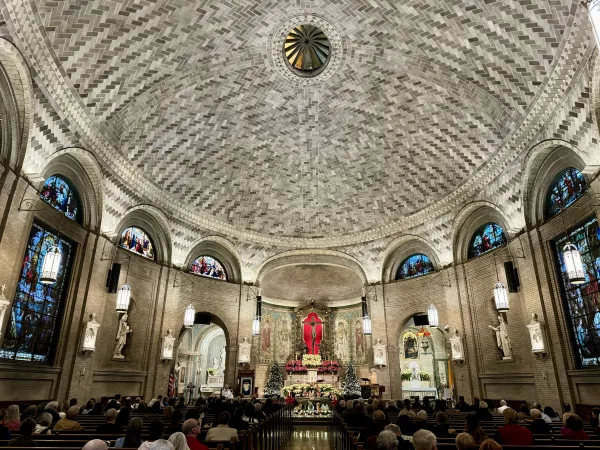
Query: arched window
(35,312)
(137,241)
(414,266)
(59,194)
(594,9)
(486,238)
(207,266)
(568,186)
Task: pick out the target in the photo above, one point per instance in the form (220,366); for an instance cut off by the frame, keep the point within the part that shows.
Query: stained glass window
(567,187)
(414,266)
(411,351)
(208,266)
(36,308)
(486,238)
(59,194)
(581,301)
(137,241)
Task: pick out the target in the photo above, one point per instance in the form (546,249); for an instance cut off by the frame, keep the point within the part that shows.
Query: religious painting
(30,334)
(208,266)
(350,342)
(414,266)
(359,338)
(59,194)
(567,187)
(485,239)
(265,335)
(410,344)
(312,333)
(137,241)
(342,344)
(285,339)
(182,372)
(581,301)
(246,387)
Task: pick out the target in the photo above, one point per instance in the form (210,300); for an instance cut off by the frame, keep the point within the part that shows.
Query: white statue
(3,305)
(245,350)
(168,346)
(222,361)
(536,335)
(379,354)
(456,345)
(502,338)
(90,334)
(373,377)
(121,338)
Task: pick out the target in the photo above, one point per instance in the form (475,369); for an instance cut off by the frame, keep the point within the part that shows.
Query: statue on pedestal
(456,345)
(536,335)
(89,335)
(502,338)
(245,351)
(121,338)
(373,377)
(379,354)
(168,345)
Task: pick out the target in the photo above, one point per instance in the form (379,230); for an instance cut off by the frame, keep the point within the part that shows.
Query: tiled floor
(310,438)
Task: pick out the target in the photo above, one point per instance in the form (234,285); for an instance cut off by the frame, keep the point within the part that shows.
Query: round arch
(400,249)
(542,163)
(469,219)
(222,250)
(154,222)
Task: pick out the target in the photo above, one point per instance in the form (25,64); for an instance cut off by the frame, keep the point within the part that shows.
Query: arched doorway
(423,357)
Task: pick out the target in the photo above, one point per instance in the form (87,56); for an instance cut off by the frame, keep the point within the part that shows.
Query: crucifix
(313,332)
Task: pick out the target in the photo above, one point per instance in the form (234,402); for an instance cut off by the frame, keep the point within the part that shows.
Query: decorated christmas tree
(351,384)
(275,382)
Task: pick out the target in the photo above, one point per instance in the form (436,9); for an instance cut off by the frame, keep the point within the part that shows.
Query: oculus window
(581,301)
(137,241)
(306,50)
(208,266)
(414,266)
(568,186)
(59,194)
(36,309)
(485,239)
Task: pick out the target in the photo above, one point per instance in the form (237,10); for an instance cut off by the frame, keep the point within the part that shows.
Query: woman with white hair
(43,424)
(161,444)
(179,441)
(387,441)
(12,420)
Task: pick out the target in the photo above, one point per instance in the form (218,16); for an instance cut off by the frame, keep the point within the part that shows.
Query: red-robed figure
(312,333)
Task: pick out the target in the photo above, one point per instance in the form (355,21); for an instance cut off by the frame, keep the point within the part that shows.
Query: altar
(334,380)
(420,392)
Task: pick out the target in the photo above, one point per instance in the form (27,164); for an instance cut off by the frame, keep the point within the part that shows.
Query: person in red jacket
(573,429)
(512,433)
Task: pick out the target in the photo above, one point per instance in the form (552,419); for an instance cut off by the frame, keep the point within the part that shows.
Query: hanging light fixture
(573,264)
(256,320)
(51,265)
(432,315)
(500,292)
(366,319)
(188,317)
(123,297)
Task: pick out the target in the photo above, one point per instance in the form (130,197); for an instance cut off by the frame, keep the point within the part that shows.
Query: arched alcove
(220,249)
(400,249)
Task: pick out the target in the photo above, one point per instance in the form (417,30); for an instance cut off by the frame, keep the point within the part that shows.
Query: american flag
(172,383)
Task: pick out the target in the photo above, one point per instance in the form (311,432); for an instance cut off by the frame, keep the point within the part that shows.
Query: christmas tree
(275,382)
(351,384)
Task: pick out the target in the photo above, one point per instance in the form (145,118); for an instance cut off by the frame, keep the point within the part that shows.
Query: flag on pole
(171,390)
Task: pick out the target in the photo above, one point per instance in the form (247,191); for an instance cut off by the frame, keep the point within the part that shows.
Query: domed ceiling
(192,97)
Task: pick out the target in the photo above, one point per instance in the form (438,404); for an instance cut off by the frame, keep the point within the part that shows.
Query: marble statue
(245,351)
(3,305)
(90,334)
(502,338)
(379,354)
(457,347)
(222,361)
(168,346)
(373,377)
(121,338)
(536,335)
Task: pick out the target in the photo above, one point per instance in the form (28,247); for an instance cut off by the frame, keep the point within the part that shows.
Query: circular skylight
(306,49)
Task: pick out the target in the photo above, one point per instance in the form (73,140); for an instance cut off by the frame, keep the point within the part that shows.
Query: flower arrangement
(326,367)
(211,371)
(424,376)
(331,367)
(310,390)
(295,366)
(406,375)
(311,361)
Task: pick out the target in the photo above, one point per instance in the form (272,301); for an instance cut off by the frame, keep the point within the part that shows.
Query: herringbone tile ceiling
(426,93)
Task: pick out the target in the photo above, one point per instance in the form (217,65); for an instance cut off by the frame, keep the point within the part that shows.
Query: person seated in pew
(441,405)
(538,425)
(142,408)
(43,424)
(566,410)
(404,443)
(512,433)
(52,409)
(179,441)
(237,421)
(191,428)
(490,445)
(98,410)
(475,405)
(424,440)
(392,407)
(24,438)
(422,422)
(222,432)
(258,414)
(386,440)
(110,427)
(462,406)
(594,421)
(574,429)
(549,411)
(95,444)
(427,406)
(69,423)
(133,435)
(545,417)
(407,410)
(416,404)
(378,425)
(358,418)
(161,444)
(502,406)
(472,427)
(4,432)
(442,428)
(155,432)
(406,426)
(484,413)
(175,424)
(12,419)
(464,441)
(345,413)
(88,408)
